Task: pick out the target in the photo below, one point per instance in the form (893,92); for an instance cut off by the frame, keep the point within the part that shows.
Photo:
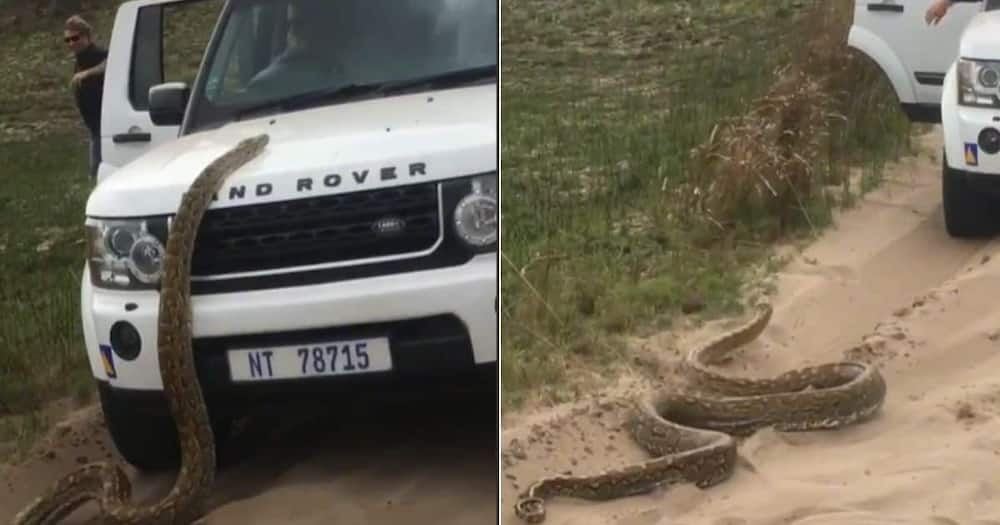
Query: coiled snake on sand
(106,483)
(691,435)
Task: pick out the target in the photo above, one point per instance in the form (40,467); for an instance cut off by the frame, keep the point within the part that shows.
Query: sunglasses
(73,38)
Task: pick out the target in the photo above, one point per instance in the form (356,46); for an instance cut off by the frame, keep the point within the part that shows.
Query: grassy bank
(41,252)
(653,150)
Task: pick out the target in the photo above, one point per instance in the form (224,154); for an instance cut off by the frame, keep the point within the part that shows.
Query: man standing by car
(939,8)
(87,81)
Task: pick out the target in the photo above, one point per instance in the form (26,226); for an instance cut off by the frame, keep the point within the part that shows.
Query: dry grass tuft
(768,161)
(765,159)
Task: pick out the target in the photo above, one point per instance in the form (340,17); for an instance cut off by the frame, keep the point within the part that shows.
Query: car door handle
(890,8)
(122,138)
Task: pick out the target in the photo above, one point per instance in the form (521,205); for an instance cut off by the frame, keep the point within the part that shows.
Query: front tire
(147,439)
(966,213)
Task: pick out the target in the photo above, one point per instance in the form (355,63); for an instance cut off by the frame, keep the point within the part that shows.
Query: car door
(152,41)
(913,54)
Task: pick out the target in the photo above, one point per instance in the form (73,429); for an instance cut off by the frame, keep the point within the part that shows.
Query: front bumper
(962,137)
(961,126)
(987,184)
(440,323)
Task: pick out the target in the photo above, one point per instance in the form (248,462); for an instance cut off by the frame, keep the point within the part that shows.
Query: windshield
(270,53)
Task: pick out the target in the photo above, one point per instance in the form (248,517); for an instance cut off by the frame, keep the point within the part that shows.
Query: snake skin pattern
(691,435)
(106,483)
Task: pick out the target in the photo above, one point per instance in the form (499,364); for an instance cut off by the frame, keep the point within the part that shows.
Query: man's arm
(99,68)
(939,8)
(96,70)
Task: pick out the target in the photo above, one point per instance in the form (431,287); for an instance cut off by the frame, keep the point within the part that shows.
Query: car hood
(981,38)
(320,151)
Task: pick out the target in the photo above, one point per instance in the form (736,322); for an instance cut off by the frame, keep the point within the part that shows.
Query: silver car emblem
(388,226)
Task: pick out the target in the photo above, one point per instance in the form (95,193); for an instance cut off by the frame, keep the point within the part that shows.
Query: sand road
(888,285)
(416,461)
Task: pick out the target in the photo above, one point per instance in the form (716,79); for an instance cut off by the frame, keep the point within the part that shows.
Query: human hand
(936,11)
(77,78)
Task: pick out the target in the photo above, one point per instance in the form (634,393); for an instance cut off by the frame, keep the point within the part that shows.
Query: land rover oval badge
(388,226)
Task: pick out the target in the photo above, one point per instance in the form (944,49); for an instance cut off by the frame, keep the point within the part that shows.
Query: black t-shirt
(88,95)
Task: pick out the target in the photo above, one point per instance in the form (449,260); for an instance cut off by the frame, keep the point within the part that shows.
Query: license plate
(335,358)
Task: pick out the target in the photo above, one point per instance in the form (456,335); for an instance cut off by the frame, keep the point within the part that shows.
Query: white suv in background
(949,74)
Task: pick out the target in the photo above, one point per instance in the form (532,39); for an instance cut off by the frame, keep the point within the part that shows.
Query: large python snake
(692,435)
(106,483)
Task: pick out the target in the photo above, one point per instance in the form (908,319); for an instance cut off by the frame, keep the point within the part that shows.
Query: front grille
(317,230)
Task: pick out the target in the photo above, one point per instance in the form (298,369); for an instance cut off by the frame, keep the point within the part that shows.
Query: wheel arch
(876,49)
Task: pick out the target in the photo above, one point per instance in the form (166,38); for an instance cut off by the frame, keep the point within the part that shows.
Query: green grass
(602,103)
(41,257)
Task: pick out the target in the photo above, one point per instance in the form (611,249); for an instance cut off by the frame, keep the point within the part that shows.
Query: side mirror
(167,103)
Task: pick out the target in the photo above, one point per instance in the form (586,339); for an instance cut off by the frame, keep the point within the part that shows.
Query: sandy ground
(886,285)
(420,461)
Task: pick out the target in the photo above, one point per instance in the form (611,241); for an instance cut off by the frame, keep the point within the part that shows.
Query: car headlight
(475,217)
(979,83)
(126,254)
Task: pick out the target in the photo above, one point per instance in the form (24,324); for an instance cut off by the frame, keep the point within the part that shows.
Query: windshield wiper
(310,97)
(439,80)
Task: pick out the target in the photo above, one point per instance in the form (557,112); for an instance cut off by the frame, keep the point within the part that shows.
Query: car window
(272,49)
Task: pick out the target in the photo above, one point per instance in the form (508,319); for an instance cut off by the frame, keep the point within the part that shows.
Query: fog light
(989,140)
(125,340)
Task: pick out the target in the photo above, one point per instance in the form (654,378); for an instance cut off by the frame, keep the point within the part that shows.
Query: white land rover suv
(949,74)
(358,253)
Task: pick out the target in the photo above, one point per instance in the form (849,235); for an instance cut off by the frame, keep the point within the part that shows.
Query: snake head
(531,510)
